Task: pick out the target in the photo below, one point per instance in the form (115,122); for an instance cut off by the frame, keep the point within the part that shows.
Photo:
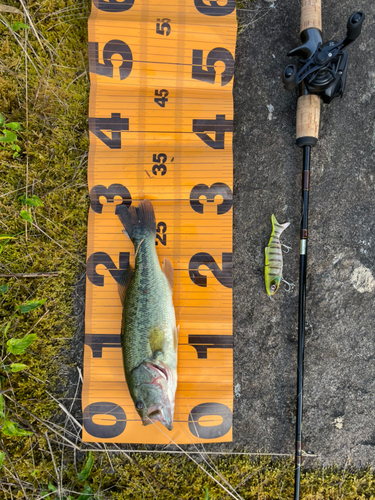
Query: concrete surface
(339,392)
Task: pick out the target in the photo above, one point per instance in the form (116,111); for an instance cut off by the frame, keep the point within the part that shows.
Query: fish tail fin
(278,228)
(146,216)
(140,217)
(128,218)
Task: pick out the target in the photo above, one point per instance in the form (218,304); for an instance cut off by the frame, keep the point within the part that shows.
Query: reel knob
(354,25)
(289,77)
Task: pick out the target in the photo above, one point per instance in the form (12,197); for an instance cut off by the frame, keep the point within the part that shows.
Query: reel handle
(289,77)
(354,26)
(311,15)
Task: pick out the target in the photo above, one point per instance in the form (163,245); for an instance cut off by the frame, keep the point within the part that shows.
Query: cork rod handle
(308,117)
(311,14)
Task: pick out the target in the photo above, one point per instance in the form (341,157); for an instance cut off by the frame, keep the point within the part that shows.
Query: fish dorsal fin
(157,339)
(124,281)
(167,269)
(176,331)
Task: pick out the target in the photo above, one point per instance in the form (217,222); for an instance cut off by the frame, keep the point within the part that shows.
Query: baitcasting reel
(324,65)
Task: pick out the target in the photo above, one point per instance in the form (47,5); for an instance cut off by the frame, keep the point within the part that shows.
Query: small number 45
(161,99)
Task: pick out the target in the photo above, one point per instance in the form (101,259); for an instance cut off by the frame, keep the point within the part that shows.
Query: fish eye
(139,405)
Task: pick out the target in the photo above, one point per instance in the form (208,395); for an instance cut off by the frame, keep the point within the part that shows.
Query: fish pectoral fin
(157,339)
(124,281)
(167,269)
(176,331)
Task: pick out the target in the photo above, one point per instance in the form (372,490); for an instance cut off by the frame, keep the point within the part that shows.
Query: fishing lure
(274,257)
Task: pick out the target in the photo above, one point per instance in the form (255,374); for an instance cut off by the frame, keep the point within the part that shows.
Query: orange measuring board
(161,126)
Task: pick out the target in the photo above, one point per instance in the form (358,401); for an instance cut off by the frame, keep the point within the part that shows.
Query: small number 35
(160,166)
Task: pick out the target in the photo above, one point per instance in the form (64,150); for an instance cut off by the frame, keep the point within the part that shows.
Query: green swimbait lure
(149,336)
(274,257)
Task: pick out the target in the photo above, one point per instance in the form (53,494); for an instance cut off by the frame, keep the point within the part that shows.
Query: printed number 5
(161,158)
(161,100)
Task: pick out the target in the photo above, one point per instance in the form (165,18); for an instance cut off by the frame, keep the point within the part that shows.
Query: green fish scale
(148,307)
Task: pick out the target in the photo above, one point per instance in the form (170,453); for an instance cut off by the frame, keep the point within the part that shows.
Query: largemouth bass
(149,336)
(274,257)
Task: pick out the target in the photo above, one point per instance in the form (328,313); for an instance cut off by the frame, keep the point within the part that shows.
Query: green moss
(52,162)
(54,148)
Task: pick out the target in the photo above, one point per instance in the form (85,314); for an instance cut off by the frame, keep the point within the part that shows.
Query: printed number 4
(161,158)
(161,99)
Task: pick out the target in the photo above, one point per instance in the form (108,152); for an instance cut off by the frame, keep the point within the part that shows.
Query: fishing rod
(322,77)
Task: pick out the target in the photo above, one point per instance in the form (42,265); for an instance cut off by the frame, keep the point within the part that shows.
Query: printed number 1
(161,98)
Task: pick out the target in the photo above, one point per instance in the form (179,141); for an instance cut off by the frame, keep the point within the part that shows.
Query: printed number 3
(161,158)
(162,97)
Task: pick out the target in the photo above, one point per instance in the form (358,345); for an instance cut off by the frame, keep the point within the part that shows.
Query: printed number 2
(160,166)
(161,230)
(161,97)
(224,275)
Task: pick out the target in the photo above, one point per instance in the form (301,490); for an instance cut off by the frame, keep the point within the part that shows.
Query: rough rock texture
(339,391)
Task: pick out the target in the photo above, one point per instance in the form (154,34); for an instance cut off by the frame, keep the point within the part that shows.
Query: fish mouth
(161,409)
(155,414)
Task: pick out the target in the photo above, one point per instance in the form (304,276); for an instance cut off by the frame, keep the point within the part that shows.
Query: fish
(149,336)
(274,257)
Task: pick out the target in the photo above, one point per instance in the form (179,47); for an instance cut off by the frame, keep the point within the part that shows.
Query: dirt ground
(339,389)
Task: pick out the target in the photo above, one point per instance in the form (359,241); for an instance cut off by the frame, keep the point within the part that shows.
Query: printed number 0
(209,410)
(106,431)
(161,158)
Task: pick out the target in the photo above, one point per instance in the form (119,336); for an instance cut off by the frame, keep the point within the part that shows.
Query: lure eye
(273,287)
(139,405)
